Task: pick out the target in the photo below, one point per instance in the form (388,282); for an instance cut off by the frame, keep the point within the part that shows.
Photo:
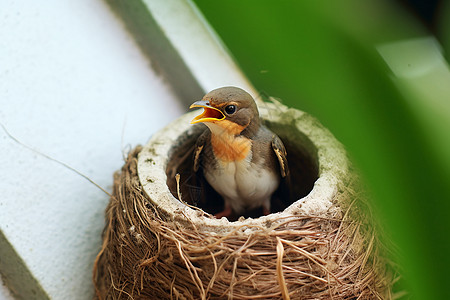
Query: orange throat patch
(229,148)
(226,143)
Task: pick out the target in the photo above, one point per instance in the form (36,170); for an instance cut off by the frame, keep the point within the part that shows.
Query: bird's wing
(199,145)
(280,151)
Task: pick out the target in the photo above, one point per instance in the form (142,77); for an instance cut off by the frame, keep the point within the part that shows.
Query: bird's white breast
(243,184)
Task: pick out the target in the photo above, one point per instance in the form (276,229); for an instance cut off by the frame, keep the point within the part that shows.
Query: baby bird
(241,159)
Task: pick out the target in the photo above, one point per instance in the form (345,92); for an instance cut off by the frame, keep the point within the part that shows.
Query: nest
(149,253)
(146,256)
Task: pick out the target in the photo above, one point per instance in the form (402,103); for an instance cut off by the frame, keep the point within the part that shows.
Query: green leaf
(322,57)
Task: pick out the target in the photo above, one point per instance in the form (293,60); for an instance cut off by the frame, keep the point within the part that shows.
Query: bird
(240,157)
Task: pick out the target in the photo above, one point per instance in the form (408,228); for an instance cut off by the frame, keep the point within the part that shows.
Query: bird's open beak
(209,114)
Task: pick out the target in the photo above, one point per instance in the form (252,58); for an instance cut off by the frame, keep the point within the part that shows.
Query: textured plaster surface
(74,86)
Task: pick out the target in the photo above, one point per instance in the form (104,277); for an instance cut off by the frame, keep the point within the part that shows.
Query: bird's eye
(230,109)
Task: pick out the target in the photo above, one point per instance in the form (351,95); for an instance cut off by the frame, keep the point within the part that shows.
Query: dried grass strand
(280,276)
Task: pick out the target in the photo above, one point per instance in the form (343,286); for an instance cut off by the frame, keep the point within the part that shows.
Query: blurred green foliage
(444,26)
(321,57)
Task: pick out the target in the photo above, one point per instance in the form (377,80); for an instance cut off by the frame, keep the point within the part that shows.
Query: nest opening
(195,190)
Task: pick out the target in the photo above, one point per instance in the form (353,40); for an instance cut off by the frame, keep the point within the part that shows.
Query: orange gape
(227,147)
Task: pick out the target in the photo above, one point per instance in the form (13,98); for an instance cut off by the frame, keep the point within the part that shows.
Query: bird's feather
(199,145)
(280,152)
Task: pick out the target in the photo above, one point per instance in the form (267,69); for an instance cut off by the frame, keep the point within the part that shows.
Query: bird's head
(228,109)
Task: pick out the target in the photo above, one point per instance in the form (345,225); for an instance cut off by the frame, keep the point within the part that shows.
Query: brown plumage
(240,158)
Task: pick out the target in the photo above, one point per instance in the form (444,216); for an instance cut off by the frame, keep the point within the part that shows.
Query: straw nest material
(150,253)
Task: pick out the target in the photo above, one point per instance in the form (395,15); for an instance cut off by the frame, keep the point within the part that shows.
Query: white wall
(74,86)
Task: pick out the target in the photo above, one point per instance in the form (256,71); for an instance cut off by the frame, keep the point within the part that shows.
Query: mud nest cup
(319,242)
